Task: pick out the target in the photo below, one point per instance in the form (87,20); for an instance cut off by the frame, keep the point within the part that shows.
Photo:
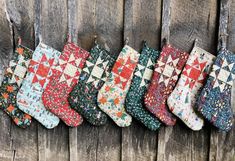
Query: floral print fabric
(182,100)
(83,98)
(165,76)
(139,84)
(65,77)
(29,97)
(11,83)
(112,95)
(214,102)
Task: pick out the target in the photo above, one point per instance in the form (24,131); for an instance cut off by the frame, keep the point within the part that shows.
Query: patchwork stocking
(65,76)
(83,98)
(139,84)
(215,99)
(166,72)
(112,95)
(182,100)
(29,98)
(12,81)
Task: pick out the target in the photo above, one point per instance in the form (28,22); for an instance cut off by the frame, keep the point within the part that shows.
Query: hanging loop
(19,40)
(95,39)
(127,41)
(195,43)
(69,38)
(166,41)
(144,43)
(223,38)
(40,38)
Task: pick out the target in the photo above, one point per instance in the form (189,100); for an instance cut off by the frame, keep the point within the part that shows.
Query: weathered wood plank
(104,19)
(231,24)
(142,22)
(194,19)
(6,48)
(188,20)
(222,145)
(6,41)
(21,14)
(52,23)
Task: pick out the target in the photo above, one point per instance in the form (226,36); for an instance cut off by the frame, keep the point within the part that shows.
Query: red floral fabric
(166,72)
(65,77)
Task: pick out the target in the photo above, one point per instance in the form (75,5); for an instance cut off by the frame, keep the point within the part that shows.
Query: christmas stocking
(65,76)
(139,84)
(111,97)
(29,98)
(182,100)
(166,72)
(214,102)
(12,80)
(83,98)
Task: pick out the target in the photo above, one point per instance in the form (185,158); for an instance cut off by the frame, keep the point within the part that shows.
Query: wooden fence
(179,21)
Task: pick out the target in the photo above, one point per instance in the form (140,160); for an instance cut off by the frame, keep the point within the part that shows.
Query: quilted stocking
(215,99)
(167,70)
(182,100)
(139,84)
(65,76)
(83,98)
(111,97)
(12,81)
(29,98)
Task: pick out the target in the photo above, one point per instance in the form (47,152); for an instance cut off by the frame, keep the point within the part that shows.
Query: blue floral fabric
(214,102)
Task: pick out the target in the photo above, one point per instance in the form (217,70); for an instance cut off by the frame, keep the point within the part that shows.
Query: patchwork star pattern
(96,70)
(144,72)
(18,70)
(41,69)
(194,73)
(70,69)
(112,95)
(223,75)
(167,69)
(11,83)
(123,71)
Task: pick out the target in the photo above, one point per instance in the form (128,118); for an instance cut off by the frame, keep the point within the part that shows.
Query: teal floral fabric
(135,96)
(83,97)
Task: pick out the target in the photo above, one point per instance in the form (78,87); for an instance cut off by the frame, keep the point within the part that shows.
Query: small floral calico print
(141,79)
(65,76)
(165,76)
(83,98)
(29,97)
(11,84)
(115,89)
(214,102)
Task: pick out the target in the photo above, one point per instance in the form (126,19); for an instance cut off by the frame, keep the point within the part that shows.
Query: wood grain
(54,23)
(194,19)
(22,16)
(142,22)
